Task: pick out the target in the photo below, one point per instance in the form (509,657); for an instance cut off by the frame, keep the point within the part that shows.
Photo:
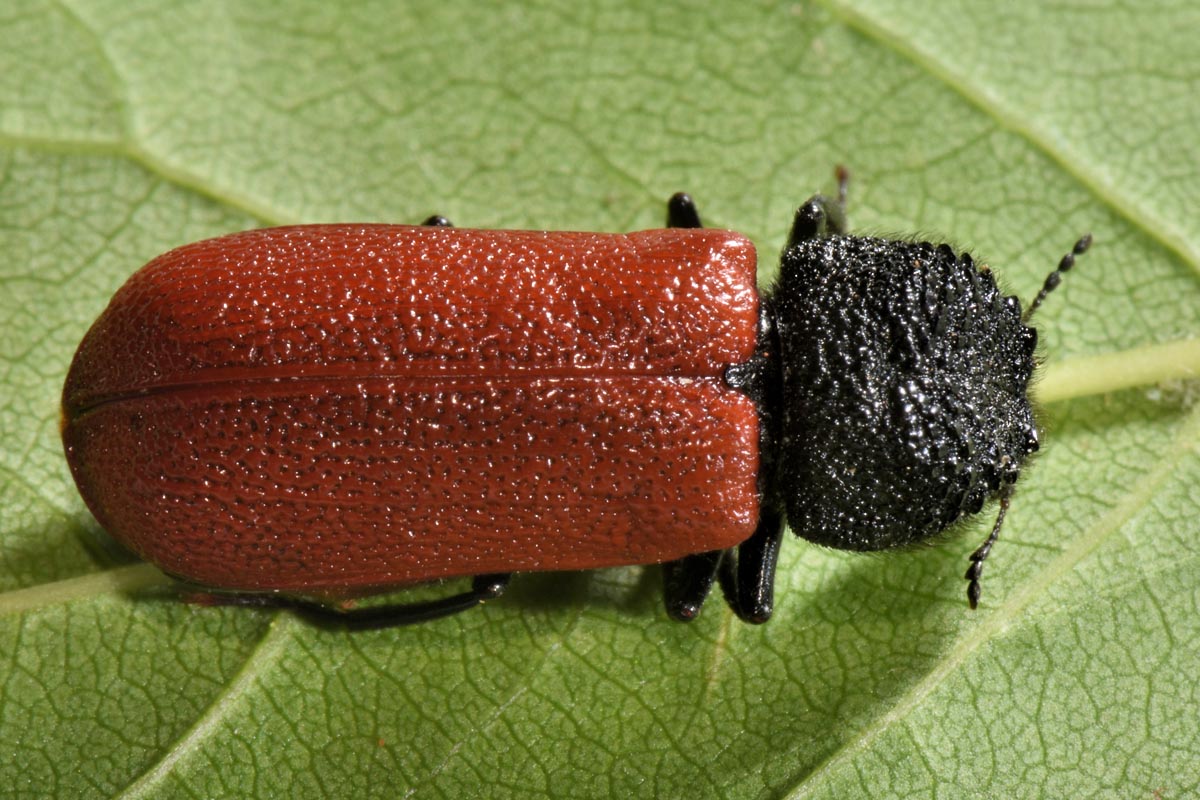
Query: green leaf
(127,129)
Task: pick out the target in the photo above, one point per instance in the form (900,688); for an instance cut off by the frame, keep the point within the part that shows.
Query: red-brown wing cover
(337,408)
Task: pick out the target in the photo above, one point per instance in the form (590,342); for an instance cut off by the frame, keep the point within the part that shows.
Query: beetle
(305,415)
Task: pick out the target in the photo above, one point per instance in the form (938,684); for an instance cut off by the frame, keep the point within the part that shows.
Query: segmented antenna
(1055,278)
(975,571)
(974,590)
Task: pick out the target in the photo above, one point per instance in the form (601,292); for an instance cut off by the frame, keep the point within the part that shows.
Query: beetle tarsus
(681,212)
(687,582)
(820,215)
(489,587)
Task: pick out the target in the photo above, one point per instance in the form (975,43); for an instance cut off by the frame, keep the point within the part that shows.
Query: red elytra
(337,409)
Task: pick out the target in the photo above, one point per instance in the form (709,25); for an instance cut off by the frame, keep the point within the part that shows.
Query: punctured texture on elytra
(333,409)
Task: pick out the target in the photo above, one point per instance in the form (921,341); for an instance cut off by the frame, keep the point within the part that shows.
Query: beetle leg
(438,221)
(681,212)
(821,215)
(483,587)
(817,217)
(748,581)
(687,582)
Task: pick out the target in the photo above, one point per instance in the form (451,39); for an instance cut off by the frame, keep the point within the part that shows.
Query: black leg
(818,216)
(438,221)
(687,582)
(681,212)
(483,587)
(821,215)
(748,581)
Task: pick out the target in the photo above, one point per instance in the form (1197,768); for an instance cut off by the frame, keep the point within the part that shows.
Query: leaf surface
(128,129)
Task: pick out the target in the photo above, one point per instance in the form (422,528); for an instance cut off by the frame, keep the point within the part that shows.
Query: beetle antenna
(1055,277)
(974,590)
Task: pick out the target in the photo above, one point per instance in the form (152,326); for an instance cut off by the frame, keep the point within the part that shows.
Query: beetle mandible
(308,414)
